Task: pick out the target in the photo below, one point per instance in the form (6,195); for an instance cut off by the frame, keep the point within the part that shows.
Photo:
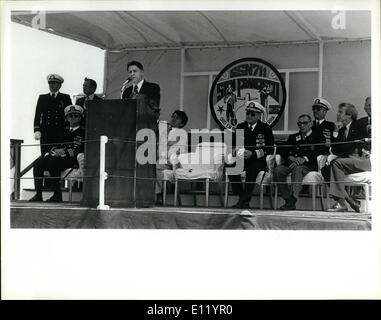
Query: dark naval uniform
(50,119)
(326,128)
(260,142)
(72,143)
(309,148)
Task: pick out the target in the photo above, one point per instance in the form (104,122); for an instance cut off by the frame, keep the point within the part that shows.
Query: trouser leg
(297,175)
(252,171)
(55,165)
(326,172)
(38,174)
(280,175)
(339,169)
(236,184)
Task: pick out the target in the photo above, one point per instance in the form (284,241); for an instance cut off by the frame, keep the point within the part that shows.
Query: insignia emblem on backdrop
(244,80)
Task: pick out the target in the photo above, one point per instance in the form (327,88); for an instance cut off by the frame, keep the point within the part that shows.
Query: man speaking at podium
(141,88)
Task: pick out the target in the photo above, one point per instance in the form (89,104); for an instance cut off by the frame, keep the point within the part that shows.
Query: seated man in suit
(173,140)
(299,157)
(49,118)
(320,108)
(61,156)
(344,140)
(356,159)
(142,88)
(89,88)
(258,143)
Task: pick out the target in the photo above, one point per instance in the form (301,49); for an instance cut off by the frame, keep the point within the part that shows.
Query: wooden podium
(129,184)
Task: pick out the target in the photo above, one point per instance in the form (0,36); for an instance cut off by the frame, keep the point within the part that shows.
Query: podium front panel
(119,120)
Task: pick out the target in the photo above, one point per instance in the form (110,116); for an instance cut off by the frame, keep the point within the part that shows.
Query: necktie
(53,95)
(135,92)
(345,132)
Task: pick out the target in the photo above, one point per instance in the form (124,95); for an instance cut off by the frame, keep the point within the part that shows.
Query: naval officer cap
(254,106)
(320,102)
(55,78)
(73,109)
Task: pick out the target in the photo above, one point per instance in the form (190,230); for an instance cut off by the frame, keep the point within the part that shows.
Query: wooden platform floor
(71,215)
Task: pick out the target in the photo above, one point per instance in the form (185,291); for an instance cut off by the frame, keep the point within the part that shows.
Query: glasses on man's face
(303,123)
(250,113)
(73,115)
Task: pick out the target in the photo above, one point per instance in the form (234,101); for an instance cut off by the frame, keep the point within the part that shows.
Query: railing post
(102,174)
(15,162)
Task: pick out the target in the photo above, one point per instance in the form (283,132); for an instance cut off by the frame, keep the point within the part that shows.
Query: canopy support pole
(320,83)
(182,58)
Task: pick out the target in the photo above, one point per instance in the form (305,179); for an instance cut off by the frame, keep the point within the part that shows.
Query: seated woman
(173,140)
(62,156)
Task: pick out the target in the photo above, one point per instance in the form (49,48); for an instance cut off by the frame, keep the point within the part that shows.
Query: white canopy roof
(119,30)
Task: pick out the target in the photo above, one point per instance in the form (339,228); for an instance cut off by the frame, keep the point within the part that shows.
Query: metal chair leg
(261,196)
(175,195)
(164,192)
(70,190)
(313,197)
(321,194)
(207,192)
(276,197)
(366,187)
(226,191)
(327,188)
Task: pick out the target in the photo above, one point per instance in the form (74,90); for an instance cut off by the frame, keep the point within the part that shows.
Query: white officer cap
(73,109)
(254,106)
(55,78)
(322,103)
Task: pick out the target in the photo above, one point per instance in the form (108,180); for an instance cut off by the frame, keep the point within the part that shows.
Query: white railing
(102,174)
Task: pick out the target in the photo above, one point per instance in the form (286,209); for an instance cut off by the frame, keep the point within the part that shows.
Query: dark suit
(345,148)
(326,128)
(151,93)
(365,125)
(50,119)
(82,102)
(303,148)
(72,143)
(260,142)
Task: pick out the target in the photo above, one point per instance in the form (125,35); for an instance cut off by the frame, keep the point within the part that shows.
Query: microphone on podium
(125,83)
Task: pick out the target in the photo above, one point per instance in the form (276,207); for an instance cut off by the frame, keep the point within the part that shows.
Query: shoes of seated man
(159,199)
(338,207)
(289,204)
(36,198)
(56,197)
(354,204)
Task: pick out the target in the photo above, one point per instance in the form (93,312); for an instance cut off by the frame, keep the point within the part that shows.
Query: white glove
(37,135)
(240,153)
(230,159)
